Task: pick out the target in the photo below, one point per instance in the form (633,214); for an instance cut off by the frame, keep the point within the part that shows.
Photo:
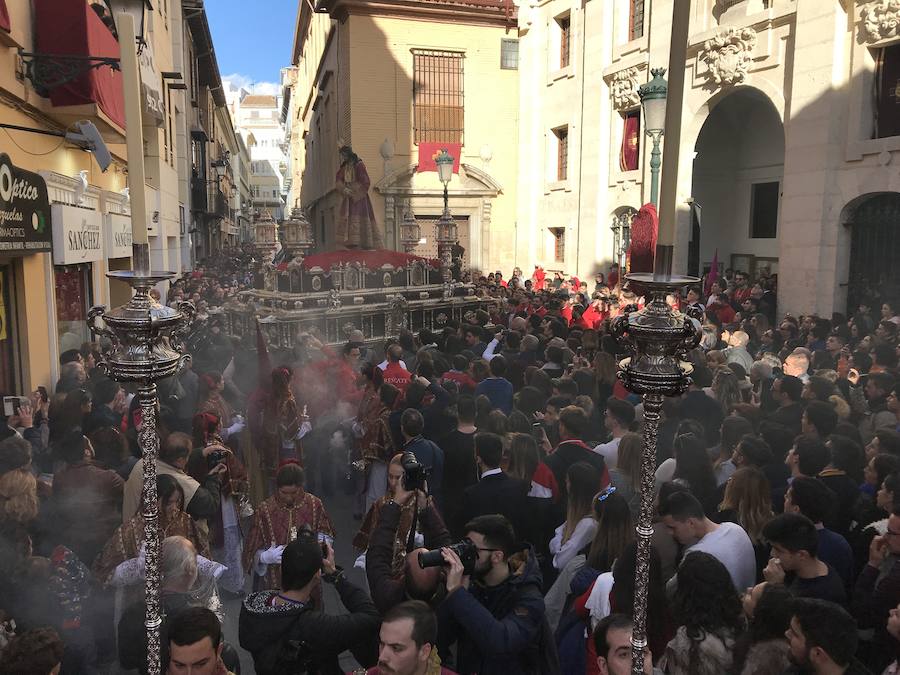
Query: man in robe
(277,522)
(356,226)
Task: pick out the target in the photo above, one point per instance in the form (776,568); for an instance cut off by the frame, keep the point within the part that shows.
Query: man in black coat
(788,393)
(496,491)
(286,634)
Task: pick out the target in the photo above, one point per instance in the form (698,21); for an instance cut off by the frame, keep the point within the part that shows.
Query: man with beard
(823,639)
(495,610)
(407,642)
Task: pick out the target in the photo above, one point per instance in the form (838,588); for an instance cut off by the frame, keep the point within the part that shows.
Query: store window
(8,337)
(73,299)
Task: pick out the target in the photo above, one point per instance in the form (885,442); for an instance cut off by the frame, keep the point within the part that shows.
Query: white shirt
(384,364)
(610,452)
(730,545)
(491,472)
(581,537)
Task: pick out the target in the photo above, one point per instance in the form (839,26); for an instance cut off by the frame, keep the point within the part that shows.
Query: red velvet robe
(273,525)
(356,226)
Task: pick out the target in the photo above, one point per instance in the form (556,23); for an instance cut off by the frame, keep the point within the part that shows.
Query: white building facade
(790,139)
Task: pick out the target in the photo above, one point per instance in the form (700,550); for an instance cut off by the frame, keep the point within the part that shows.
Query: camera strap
(411,538)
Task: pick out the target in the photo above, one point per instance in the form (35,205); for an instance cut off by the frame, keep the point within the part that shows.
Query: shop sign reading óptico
(24,210)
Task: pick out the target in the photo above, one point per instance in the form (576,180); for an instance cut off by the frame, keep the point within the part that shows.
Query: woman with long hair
(763,647)
(626,477)
(694,469)
(707,610)
(615,530)
(748,502)
(582,480)
(726,389)
(126,541)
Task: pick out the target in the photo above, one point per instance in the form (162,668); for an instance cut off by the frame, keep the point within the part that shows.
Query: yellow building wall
(381,104)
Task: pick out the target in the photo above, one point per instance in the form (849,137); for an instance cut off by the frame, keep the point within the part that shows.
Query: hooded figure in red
(539,277)
(644,232)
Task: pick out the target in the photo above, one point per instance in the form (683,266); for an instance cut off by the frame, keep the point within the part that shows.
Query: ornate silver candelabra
(145,347)
(658,338)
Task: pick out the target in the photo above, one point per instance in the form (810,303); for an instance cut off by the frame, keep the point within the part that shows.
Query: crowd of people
(494,472)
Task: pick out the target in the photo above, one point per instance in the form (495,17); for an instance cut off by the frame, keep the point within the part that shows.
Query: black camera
(465,549)
(414,473)
(215,457)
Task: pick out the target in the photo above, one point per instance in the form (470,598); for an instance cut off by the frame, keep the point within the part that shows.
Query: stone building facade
(789,151)
(368,75)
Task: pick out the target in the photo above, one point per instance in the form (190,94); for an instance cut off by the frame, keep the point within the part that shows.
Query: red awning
(4,17)
(69,28)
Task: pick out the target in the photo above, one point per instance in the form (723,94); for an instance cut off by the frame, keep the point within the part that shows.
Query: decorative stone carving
(728,55)
(624,89)
(880,20)
(334,299)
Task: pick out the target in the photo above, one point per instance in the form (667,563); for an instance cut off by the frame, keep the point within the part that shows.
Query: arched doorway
(736,188)
(874,221)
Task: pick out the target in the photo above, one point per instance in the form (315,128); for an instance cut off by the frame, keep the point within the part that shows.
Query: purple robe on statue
(356,226)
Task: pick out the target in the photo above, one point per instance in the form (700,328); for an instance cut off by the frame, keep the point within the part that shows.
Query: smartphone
(11,404)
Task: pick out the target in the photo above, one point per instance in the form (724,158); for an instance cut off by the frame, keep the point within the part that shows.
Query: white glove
(304,429)
(272,555)
(235,428)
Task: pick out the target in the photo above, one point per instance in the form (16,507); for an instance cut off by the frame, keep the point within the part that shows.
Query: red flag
(428,151)
(713,275)
(631,135)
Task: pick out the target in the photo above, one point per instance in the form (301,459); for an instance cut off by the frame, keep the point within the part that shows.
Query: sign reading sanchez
(78,235)
(24,210)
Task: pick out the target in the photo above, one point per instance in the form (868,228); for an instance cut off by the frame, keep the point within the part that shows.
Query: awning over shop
(70,28)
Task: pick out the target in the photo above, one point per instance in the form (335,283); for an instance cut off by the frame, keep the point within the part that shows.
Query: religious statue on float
(356,226)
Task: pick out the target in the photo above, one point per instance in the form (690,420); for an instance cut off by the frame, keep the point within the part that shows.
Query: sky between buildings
(252,40)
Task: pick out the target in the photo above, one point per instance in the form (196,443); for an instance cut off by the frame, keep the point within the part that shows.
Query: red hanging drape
(631,142)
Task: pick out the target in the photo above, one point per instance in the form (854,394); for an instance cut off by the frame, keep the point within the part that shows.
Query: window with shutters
(565,37)
(562,152)
(635,19)
(438,96)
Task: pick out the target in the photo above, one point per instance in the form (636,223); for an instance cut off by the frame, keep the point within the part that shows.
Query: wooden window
(565,29)
(635,19)
(509,54)
(887,91)
(562,152)
(764,210)
(559,244)
(438,96)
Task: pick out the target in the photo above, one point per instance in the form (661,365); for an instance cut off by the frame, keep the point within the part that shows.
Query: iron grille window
(764,210)
(565,26)
(562,152)
(559,244)
(509,54)
(635,19)
(438,96)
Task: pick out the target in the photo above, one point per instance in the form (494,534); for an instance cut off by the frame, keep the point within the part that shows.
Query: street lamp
(653,101)
(444,161)
(446,226)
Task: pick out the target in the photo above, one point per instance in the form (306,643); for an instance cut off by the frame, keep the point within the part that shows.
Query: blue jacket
(500,629)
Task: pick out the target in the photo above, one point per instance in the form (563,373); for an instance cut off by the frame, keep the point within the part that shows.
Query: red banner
(428,151)
(4,17)
(631,143)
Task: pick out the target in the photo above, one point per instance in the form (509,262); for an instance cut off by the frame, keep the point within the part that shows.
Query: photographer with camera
(286,634)
(494,609)
(391,559)
(427,452)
